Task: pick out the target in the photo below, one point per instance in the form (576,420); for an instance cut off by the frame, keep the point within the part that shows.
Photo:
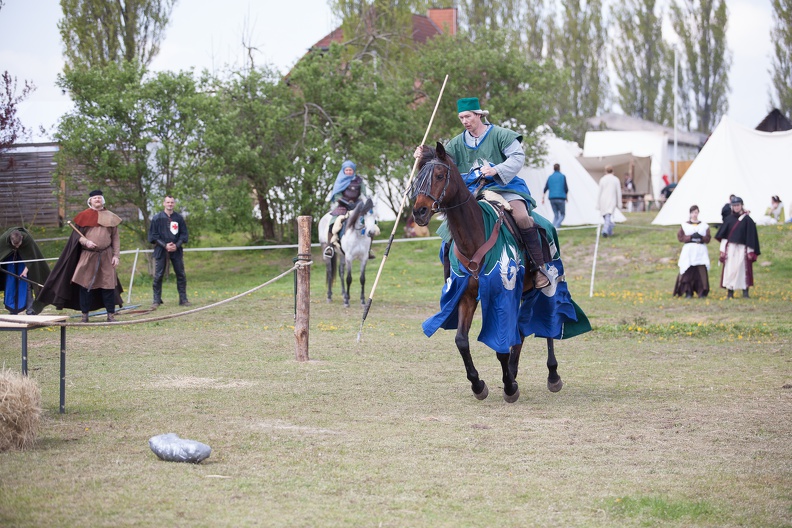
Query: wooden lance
(398,216)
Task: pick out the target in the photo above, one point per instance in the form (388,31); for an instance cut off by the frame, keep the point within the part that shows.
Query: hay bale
(20,410)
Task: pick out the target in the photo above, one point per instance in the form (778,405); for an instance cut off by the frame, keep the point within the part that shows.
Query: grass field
(675,412)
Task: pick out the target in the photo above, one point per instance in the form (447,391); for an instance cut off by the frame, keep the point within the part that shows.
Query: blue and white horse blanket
(507,314)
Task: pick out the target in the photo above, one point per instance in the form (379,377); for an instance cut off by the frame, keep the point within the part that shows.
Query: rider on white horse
(347,190)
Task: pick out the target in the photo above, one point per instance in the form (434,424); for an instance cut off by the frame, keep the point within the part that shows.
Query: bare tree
(11,127)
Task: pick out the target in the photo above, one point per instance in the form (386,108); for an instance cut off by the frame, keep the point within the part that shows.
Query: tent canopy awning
(640,167)
(646,144)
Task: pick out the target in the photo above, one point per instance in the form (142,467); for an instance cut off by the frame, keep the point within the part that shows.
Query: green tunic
(490,148)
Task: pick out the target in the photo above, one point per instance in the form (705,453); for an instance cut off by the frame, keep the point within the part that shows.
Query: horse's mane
(427,154)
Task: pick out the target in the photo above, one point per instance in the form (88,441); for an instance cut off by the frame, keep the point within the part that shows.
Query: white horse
(359,230)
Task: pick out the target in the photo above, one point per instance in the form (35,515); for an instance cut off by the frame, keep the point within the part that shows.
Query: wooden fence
(30,194)
(27,193)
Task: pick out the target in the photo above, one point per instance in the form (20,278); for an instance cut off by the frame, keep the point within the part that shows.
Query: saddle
(511,225)
(540,251)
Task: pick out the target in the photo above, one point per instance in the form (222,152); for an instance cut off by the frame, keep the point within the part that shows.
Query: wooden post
(303,316)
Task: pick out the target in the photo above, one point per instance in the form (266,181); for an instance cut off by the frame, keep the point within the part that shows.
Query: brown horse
(439,188)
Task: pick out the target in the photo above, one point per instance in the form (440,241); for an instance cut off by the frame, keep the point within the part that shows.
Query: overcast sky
(207,34)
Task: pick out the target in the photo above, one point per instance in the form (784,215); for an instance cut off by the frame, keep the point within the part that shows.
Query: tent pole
(594,264)
(676,158)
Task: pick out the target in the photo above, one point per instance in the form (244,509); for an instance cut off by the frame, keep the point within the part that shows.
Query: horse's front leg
(363,279)
(554,382)
(511,363)
(510,390)
(346,280)
(467,308)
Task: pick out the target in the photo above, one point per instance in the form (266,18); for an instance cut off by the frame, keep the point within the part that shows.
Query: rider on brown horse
(495,154)
(347,190)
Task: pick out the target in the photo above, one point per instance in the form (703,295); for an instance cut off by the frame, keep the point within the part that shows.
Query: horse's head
(435,184)
(370,220)
(362,218)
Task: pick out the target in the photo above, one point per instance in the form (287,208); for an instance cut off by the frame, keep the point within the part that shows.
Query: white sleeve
(515,159)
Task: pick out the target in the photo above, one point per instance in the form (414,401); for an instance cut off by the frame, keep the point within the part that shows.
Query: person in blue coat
(558,190)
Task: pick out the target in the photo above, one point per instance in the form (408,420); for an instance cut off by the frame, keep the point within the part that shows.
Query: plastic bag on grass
(171,448)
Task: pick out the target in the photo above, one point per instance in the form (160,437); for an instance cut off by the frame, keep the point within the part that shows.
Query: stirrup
(540,279)
(329,252)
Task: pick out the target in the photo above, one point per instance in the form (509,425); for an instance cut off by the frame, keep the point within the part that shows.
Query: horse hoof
(513,398)
(483,394)
(555,387)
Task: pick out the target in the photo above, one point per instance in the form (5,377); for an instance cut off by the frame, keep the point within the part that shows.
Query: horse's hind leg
(510,390)
(554,382)
(329,275)
(466,311)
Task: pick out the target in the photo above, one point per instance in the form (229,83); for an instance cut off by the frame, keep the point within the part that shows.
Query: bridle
(423,185)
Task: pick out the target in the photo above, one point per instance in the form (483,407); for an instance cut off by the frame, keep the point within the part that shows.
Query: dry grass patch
(192,382)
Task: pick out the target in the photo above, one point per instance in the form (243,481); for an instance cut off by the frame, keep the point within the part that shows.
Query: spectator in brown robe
(85,277)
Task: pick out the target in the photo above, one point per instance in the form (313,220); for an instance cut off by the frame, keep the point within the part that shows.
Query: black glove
(695,238)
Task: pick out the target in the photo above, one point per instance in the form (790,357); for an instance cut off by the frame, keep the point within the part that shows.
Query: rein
(423,185)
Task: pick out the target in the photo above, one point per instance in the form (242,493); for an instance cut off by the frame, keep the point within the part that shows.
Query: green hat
(470,104)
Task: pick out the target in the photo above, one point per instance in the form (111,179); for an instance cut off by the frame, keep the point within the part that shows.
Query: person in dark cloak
(17,245)
(739,249)
(83,277)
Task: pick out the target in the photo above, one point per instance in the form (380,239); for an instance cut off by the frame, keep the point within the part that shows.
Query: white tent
(599,144)
(581,209)
(753,165)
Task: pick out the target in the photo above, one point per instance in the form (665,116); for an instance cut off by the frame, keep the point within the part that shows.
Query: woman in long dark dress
(694,259)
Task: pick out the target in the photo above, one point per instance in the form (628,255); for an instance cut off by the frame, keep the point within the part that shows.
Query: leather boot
(745,294)
(730,294)
(533,247)
(84,318)
(110,317)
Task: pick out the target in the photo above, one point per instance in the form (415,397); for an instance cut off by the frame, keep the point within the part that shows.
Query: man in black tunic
(739,249)
(168,233)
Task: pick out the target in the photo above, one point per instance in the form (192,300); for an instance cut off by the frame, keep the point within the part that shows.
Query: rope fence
(297,265)
(302,260)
